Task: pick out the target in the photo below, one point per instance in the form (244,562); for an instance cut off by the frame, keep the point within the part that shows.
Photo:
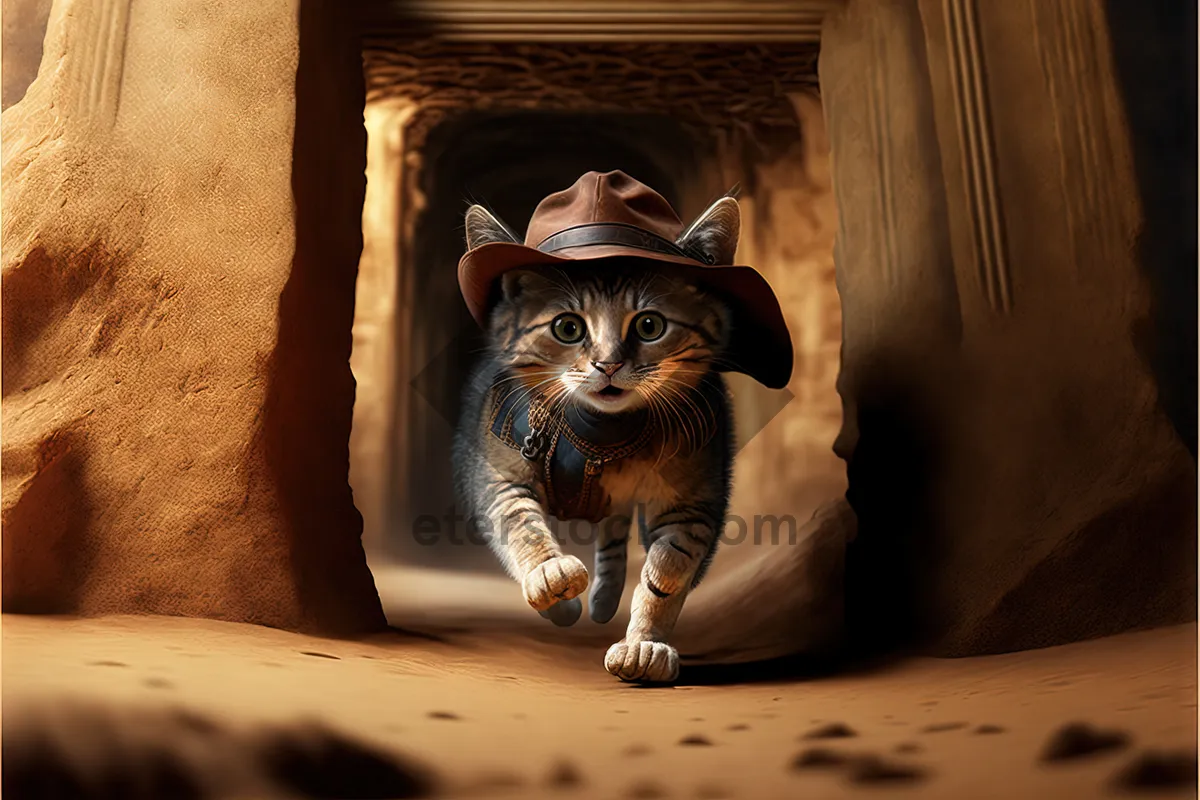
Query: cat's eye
(649,326)
(568,328)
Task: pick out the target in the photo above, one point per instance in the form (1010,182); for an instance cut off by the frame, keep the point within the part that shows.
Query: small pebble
(1079,739)
(834,730)
(565,773)
(695,740)
(872,769)
(1159,770)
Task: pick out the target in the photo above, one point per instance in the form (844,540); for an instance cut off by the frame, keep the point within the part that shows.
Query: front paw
(643,662)
(560,578)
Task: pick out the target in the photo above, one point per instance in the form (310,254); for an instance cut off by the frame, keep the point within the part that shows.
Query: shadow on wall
(1154,46)
(310,396)
(47,549)
(891,470)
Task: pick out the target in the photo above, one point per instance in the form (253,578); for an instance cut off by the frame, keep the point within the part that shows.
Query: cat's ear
(484,228)
(522,282)
(510,285)
(713,237)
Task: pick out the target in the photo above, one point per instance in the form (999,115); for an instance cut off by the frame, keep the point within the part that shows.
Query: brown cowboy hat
(609,215)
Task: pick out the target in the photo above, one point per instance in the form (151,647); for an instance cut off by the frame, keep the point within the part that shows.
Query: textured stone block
(182,190)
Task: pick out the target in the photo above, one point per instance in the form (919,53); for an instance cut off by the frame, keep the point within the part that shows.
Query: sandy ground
(527,711)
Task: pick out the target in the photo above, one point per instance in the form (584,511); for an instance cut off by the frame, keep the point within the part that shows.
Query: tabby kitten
(598,400)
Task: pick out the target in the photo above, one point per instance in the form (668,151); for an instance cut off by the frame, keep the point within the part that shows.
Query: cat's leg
(504,497)
(521,537)
(567,612)
(612,555)
(679,543)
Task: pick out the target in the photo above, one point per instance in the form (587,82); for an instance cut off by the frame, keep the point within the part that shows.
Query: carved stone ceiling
(731,90)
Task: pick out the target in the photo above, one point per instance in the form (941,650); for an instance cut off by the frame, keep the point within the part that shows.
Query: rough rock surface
(1017,480)
(182,187)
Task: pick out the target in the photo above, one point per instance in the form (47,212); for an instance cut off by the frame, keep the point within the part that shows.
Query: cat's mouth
(609,394)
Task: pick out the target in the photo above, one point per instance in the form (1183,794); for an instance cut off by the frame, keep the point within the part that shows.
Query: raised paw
(564,614)
(643,662)
(560,578)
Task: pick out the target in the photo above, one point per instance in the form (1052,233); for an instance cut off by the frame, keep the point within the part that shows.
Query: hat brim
(760,345)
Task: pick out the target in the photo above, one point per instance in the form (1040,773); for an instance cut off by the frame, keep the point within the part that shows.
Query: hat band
(610,233)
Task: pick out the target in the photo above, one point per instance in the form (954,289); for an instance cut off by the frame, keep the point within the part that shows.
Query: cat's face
(610,343)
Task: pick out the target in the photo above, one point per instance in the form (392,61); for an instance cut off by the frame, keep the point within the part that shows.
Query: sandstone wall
(789,222)
(182,187)
(379,299)
(1014,473)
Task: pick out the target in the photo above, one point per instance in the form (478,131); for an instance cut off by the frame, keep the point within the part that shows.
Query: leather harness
(573,448)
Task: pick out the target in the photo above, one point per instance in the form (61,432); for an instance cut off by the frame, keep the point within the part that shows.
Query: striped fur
(674,492)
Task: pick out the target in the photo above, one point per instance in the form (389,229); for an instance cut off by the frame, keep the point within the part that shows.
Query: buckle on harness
(533,445)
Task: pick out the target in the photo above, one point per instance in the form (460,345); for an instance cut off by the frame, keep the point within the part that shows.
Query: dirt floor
(498,708)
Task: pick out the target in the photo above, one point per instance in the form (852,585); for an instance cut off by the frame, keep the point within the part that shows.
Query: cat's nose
(609,368)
